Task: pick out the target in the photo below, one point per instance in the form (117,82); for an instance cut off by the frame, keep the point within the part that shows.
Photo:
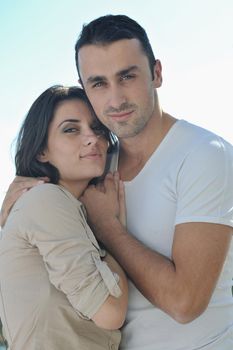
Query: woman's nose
(90,137)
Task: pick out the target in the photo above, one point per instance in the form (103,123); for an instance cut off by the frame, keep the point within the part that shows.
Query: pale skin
(118,82)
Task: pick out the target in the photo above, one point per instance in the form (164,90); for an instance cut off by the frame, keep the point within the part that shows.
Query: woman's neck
(76,188)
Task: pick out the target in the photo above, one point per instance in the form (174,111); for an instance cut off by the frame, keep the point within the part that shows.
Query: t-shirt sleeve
(58,229)
(205,184)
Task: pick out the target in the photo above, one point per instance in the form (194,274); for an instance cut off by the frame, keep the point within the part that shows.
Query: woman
(59,289)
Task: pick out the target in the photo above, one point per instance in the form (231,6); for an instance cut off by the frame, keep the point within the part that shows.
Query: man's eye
(127,77)
(98,84)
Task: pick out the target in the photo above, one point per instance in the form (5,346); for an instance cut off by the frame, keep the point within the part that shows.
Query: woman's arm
(56,226)
(111,315)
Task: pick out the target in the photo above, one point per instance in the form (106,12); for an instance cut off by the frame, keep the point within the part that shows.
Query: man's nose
(116,97)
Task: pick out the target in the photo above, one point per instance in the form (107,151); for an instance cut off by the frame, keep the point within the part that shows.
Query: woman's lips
(91,155)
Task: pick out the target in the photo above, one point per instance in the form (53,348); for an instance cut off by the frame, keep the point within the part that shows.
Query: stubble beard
(127,129)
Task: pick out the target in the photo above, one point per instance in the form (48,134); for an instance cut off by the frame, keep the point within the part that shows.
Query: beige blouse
(52,278)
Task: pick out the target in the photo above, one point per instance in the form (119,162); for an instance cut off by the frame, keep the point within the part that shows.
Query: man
(177,248)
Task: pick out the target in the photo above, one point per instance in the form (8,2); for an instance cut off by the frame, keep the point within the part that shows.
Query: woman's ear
(42,157)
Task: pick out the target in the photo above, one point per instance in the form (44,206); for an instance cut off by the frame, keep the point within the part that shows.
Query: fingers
(100,187)
(114,184)
(116,178)
(110,183)
(90,191)
(121,192)
(112,179)
(10,199)
(122,204)
(21,183)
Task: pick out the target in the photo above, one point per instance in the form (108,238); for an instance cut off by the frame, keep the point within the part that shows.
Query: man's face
(118,82)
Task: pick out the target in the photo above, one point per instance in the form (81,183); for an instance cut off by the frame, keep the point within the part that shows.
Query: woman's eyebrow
(70,120)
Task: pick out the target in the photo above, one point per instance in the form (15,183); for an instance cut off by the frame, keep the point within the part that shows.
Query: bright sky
(192,38)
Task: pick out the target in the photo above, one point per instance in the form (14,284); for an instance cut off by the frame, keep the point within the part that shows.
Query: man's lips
(120,116)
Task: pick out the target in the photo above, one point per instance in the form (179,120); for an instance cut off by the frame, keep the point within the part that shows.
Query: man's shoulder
(198,136)
(195,130)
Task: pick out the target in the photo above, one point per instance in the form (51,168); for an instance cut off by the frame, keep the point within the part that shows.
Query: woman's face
(76,145)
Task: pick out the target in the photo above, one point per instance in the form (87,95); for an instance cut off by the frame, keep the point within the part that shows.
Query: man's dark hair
(110,28)
(33,136)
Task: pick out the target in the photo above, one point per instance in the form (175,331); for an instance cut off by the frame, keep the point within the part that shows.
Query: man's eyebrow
(127,70)
(97,78)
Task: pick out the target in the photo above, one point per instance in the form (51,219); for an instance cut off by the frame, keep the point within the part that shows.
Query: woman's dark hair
(110,28)
(33,135)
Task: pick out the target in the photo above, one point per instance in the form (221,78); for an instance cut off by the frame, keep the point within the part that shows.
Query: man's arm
(182,287)
(19,185)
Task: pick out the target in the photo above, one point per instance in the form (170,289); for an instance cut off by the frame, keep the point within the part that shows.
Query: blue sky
(193,39)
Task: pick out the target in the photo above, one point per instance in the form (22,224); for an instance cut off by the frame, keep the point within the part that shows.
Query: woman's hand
(19,185)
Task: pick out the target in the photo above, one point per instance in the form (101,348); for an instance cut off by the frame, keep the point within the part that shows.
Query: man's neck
(135,151)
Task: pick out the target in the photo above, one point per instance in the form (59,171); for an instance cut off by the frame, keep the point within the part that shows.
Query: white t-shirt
(189,178)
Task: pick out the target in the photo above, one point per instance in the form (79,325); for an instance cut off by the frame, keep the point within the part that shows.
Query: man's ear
(42,157)
(158,74)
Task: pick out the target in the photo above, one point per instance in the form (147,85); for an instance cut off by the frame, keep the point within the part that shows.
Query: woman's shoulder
(46,195)
(42,191)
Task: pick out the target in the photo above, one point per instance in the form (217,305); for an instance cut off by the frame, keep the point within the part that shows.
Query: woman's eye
(70,130)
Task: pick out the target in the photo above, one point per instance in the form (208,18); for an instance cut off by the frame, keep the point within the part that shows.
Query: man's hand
(105,202)
(16,189)
(119,185)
